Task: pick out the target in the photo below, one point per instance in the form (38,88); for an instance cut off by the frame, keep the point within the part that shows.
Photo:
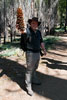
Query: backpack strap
(28,31)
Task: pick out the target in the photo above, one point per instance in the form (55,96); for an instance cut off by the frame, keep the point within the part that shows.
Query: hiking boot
(28,83)
(29,90)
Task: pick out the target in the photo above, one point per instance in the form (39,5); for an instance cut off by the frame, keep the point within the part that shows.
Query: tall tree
(4,22)
(66,17)
(62,11)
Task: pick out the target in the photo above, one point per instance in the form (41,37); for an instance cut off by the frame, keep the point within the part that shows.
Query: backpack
(23,40)
(23,44)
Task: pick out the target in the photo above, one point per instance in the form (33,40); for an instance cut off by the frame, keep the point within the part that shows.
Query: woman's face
(34,25)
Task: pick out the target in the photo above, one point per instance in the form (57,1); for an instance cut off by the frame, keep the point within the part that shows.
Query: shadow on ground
(52,87)
(54,64)
(60,45)
(62,55)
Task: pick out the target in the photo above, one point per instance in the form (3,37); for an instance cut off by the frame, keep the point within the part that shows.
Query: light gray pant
(32,60)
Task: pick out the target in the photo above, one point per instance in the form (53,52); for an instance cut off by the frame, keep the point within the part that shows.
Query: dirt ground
(52,72)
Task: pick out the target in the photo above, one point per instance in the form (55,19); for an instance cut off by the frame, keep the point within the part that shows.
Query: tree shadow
(61,45)
(14,70)
(52,87)
(54,64)
(57,54)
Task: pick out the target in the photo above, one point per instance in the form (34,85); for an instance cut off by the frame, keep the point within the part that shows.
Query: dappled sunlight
(50,89)
(60,46)
(58,73)
(58,53)
(62,74)
(55,63)
(52,72)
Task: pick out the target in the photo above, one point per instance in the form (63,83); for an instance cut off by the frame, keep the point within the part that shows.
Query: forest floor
(52,72)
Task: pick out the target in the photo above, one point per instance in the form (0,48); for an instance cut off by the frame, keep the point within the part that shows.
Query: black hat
(34,19)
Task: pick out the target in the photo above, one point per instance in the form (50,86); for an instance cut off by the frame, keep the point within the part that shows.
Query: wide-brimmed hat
(34,19)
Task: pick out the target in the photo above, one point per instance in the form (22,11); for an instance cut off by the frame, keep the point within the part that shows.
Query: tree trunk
(4,23)
(66,17)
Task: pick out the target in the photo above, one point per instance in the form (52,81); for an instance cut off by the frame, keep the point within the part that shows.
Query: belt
(34,51)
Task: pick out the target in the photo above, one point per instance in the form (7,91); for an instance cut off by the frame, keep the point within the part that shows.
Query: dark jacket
(34,41)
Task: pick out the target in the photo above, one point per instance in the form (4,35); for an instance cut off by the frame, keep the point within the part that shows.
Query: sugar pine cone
(20,20)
